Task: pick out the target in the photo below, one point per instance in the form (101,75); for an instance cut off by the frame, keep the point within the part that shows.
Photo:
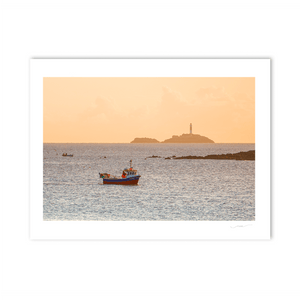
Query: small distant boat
(65,154)
(129,177)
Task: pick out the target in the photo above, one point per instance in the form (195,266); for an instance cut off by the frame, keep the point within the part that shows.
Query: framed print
(137,149)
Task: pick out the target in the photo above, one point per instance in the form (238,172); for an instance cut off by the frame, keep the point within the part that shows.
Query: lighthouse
(191,132)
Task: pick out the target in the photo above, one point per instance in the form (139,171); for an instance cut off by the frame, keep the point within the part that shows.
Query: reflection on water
(168,189)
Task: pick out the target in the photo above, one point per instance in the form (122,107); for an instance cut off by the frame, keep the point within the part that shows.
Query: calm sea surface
(168,189)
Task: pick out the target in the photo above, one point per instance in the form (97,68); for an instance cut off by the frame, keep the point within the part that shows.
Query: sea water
(169,189)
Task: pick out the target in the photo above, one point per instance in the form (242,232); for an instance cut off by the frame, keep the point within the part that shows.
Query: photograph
(151,138)
(149,148)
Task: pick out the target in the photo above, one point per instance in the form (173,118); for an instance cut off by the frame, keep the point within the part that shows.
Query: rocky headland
(248,155)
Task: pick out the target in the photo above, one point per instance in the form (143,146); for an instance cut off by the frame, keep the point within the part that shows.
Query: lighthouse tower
(191,132)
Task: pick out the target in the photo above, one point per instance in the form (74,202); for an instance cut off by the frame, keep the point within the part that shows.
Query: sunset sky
(117,110)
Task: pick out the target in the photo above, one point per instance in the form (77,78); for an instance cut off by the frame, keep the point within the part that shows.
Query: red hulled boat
(129,177)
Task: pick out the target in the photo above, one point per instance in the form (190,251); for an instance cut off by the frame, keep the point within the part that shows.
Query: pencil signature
(236,226)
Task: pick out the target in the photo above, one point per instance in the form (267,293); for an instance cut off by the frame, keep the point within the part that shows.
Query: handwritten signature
(236,226)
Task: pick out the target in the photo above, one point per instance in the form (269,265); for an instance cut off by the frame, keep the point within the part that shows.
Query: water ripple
(167,190)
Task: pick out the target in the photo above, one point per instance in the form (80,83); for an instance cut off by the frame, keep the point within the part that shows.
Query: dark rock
(153,156)
(249,155)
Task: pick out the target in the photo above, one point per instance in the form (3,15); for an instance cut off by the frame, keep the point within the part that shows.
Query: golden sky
(117,110)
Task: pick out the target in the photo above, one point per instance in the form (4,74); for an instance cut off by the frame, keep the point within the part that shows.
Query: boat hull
(122,181)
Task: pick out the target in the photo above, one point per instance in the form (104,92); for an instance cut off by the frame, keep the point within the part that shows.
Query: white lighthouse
(191,132)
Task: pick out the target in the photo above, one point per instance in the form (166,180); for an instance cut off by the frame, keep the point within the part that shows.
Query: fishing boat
(129,177)
(65,154)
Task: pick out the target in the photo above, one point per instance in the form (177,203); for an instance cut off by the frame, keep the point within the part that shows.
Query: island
(188,138)
(247,155)
(184,138)
(144,140)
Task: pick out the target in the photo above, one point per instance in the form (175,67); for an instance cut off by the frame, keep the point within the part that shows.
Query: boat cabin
(130,171)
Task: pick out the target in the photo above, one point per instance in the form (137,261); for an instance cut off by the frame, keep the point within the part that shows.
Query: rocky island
(184,138)
(144,140)
(188,138)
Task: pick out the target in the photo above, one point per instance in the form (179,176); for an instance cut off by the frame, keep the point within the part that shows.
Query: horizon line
(141,143)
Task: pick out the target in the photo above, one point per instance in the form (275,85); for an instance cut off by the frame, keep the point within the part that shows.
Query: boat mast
(131,163)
